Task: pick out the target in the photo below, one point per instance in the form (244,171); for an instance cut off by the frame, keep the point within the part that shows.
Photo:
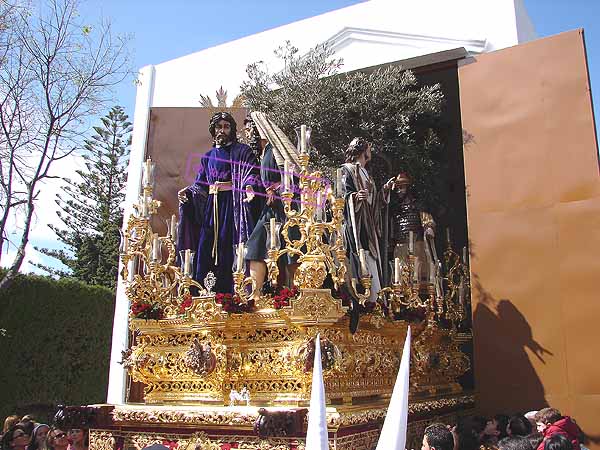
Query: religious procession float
(226,306)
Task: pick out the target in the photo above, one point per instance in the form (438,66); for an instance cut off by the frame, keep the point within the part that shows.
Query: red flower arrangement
(185,304)
(172,445)
(145,310)
(282,298)
(233,304)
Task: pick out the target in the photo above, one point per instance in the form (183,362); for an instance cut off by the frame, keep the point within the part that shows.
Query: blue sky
(162,32)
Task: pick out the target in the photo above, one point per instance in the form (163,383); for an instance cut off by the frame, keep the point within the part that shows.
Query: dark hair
(439,437)
(519,426)
(477,424)
(514,443)
(254,141)
(468,439)
(8,436)
(27,425)
(548,415)
(535,439)
(558,442)
(501,424)
(214,120)
(356,147)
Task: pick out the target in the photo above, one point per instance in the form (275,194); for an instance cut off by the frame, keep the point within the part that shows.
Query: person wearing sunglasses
(57,439)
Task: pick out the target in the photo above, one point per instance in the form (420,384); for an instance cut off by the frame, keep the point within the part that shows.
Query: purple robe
(236,163)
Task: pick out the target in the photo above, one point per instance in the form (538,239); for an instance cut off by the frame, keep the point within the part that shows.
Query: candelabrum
(240,281)
(318,219)
(458,285)
(149,269)
(442,297)
(408,290)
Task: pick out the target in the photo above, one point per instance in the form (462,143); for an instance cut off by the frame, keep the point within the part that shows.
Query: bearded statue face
(222,133)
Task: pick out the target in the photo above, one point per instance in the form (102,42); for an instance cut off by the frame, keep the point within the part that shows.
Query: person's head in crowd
(518,426)
(38,437)
(437,436)
(10,422)
(478,425)
(494,430)
(550,422)
(501,424)
(515,443)
(467,432)
(558,442)
(16,438)
(78,437)
(546,417)
(535,439)
(530,415)
(57,439)
(27,426)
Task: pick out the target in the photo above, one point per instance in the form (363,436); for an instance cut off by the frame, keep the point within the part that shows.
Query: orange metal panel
(531,168)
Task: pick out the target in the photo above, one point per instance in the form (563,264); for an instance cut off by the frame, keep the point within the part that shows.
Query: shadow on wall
(505,378)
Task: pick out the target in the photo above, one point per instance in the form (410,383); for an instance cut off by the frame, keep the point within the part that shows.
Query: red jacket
(567,428)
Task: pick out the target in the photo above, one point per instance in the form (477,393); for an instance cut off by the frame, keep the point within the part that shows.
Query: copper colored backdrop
(177,139)
(531,164)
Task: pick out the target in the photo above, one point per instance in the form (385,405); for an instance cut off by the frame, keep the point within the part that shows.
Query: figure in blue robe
(216,212)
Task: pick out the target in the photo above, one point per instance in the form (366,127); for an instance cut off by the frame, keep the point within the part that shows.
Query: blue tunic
(234,163)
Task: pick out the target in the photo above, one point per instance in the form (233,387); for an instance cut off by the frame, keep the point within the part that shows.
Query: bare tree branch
(54,73)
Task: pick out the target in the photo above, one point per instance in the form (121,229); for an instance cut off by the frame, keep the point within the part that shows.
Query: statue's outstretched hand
(249,194)
(389,184)
(182,196)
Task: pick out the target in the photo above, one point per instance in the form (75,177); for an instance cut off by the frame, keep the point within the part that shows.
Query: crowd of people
(24,433)
(546,429)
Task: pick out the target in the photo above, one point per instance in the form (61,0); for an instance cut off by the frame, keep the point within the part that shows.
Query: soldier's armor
(406,217)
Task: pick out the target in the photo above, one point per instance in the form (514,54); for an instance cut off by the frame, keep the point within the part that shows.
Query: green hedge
(57,344)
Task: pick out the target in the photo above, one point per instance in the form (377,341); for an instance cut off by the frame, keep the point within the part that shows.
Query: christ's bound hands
(182,196)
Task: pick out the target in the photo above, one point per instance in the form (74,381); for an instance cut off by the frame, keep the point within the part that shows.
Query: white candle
(187,262)
(240,256)
(319,208)
(397,275)
(272,232)
(156,253)
(432,273)
(173,228)
(339,186)
(147,172)
(286,175)
(302,139)
(416,269)
(144,205)
(411,242)
(448,234)
(464,255)
(363,262)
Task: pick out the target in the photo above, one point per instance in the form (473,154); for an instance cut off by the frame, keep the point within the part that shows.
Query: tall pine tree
(90,208)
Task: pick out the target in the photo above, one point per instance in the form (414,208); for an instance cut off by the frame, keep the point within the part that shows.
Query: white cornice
(347,35)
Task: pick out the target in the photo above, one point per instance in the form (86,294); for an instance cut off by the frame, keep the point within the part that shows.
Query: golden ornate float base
(202,360)
(133,427)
